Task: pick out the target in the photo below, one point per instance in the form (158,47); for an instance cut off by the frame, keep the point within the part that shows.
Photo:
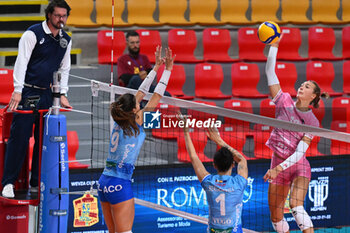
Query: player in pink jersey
(290,170)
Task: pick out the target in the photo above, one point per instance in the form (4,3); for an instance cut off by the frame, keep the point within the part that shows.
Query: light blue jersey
(225,200)
(123,153)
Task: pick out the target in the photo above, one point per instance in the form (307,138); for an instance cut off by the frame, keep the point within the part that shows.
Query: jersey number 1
(221,199)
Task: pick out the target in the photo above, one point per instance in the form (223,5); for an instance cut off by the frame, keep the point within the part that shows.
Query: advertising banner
(177,187)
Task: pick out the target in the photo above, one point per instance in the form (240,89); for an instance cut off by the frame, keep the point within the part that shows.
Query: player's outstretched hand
(158,56)
(271,174)
(169,59)
(276,44)
(213,134)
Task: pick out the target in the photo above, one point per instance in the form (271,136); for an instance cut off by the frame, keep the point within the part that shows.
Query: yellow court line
(10,35)
(33,2)
(75,51)
(8,53)
(21,18)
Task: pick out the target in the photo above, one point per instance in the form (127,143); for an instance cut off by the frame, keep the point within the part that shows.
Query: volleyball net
(165,180)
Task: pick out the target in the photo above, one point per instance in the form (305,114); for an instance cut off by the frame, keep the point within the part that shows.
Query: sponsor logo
(63,153)
(318,193)
(85,211)
(12,217)
(151,120)
(42,41)
(155,120)
(63,43)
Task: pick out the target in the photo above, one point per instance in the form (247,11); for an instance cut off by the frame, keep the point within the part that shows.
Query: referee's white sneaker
(33,189)
(7,191)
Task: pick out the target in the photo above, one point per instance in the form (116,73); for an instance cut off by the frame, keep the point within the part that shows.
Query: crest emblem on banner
(85,211)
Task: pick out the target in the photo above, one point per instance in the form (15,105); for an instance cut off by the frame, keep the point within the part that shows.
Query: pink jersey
(284,142)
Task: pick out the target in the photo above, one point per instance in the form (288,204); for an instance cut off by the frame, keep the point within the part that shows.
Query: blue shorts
(114,190)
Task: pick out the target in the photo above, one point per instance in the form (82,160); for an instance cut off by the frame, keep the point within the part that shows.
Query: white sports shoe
(33,189)
(7,191)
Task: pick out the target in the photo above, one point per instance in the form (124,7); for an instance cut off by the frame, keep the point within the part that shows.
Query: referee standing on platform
(43,49)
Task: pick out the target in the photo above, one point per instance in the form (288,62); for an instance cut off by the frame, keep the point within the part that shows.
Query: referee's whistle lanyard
(136,63)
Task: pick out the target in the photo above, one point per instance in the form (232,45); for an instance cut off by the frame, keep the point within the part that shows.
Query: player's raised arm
(197,164)
(147,82)
(242,168)
(272,79)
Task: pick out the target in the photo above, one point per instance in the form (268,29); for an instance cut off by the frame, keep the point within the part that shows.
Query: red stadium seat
(216,43)
(250,47)
(346,77)
(104,46)
(199,140)
(321,43)
(289,46)
(208,79)
(261,135)
(245,78)
(233,137)
(6,85)
(169,113)
(346,42)
(323,74)
(176,81)
(200,115)
(341,109)
(242,106)
(149,40)
(267,108)
(339,147)
(183,42)
(73,146)
(287,75)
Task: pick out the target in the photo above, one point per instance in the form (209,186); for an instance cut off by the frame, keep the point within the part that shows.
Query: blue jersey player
(127,137)
(224,191)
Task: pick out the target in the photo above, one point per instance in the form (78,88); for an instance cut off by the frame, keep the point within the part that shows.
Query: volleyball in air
(269,32)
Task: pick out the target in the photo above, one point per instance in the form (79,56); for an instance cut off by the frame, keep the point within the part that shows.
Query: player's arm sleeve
(270,67)
(297,155)
(272,80)
(25,49)
(65,68)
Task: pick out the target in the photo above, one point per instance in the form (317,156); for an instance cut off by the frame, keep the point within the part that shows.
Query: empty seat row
(217,42)
(245,77)
(209,12)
